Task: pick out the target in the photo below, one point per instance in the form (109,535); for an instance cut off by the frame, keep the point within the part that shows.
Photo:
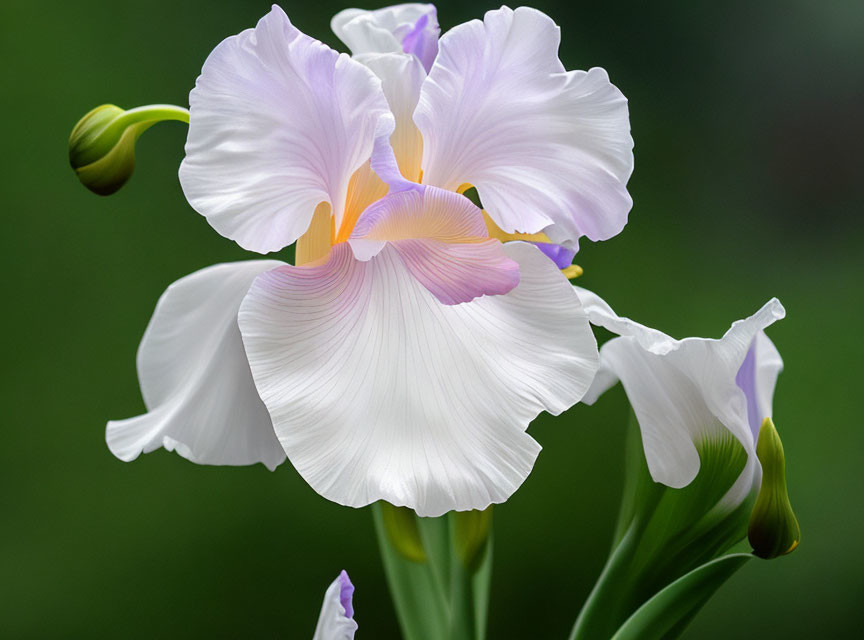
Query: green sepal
(667,614)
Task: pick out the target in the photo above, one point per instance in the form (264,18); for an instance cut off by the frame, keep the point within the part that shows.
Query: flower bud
(102,144)
(774,529)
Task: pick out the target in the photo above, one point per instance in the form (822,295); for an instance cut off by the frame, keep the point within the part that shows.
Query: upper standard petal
(543,146)
(279,123)
(407,28)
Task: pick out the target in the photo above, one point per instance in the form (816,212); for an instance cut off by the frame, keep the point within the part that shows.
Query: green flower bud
(774,529)
(102,144)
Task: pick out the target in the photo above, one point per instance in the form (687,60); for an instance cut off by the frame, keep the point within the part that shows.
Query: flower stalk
(663,534)
(438,571)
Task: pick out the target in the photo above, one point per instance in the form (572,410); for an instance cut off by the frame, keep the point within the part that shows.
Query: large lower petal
(682,391)
(279,123)
(543,146)
(379,392)
(195,379)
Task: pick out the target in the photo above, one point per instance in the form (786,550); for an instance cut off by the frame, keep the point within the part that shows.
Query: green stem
(438,571)
(470,573)
(98,132)
(151,113)
(421,606)
(139,119)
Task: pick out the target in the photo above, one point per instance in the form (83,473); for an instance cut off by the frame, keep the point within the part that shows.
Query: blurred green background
(748,124)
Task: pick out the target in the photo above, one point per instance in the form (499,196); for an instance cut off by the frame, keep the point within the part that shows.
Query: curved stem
(142,118)
(153,112)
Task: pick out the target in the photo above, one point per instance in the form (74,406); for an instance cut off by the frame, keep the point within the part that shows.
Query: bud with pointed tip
(102,144)
(774,529)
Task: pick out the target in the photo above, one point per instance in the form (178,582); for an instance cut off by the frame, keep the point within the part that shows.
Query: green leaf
(665,616)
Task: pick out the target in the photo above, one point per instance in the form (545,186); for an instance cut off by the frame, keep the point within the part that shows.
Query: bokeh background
(748,124)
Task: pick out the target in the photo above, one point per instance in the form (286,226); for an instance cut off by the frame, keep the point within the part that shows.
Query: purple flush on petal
(346,593)
(746,381)
(421,42)
(561,256)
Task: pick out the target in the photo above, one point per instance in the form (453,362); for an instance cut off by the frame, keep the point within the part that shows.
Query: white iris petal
(543,146)
(195,379)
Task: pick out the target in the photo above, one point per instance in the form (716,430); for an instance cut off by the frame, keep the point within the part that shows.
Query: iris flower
(686,392)
(405,353)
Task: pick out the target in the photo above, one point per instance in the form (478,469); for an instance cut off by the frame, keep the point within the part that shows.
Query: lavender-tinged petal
(279,122)
(346,593)
(561,256)
(422,42)
(336,620)
(757,378)
(544,147)
(441,238)
(406,28)
(383,160)
(746,381)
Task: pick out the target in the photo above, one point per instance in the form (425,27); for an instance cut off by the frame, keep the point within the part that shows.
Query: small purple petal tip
(421,43)
(561,256)
(346,594)
(746,381)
